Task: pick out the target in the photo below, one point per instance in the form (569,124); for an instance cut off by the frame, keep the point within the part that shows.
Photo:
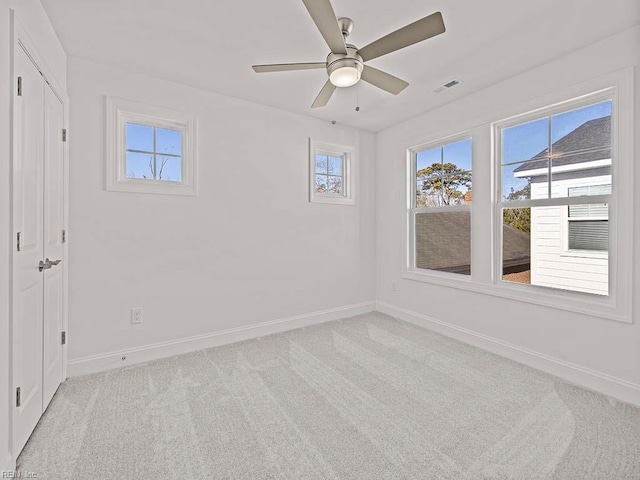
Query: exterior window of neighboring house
(149,149)
(440,216)
(555,196)
(331,173)
(588,225)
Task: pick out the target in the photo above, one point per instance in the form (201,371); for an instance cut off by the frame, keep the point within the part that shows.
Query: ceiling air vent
(448,85)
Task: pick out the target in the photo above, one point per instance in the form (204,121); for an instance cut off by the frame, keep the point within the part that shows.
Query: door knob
(47,264)
(44,265)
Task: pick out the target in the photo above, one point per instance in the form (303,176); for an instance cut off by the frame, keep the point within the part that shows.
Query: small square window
(153,153)
(331,173)
(149,149)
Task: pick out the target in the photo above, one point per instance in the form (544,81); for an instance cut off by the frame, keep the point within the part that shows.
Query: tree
(519,218)
(442,184)
(155,169)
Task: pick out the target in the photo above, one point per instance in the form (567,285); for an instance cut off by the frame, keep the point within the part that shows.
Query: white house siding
(552,264)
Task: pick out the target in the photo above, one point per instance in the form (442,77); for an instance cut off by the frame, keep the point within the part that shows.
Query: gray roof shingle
(590,141)
(443,242)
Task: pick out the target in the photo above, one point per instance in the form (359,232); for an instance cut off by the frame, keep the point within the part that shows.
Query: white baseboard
(109,360)
(585,377)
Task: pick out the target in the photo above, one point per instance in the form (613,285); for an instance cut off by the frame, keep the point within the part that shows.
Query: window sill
(334,200)
(569,301)
(152,187)
(593,254)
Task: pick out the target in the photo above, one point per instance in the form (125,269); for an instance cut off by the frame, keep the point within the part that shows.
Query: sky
(519,143)
(167,141)
(522,142)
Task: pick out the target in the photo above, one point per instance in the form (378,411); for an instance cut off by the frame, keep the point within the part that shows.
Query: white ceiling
(212,45)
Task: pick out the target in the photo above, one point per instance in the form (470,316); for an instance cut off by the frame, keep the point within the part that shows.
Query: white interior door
(53,244)
(28,223)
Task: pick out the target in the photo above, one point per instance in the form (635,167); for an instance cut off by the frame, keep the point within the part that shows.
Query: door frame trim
(20,39)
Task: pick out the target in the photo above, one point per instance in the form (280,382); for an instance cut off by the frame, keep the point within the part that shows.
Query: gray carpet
(368,397)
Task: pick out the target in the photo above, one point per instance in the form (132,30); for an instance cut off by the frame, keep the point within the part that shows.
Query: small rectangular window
(149,149)
(441,177)
(588,224)
(331,173)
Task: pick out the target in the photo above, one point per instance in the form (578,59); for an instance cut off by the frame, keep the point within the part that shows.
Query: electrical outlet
(136,315)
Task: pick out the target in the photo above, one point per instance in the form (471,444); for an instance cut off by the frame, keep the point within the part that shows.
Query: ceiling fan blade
(383,80)
(413,33)
(325,19)
(287,67)
(325,94)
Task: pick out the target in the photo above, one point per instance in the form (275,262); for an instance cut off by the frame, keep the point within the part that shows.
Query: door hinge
(18,397)
(64,236)
(64,134)
(18,238)
(19,86)
(64,338)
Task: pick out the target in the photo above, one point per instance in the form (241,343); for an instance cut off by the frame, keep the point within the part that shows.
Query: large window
(548,219)
(150,149)
(555,196)
(442,194)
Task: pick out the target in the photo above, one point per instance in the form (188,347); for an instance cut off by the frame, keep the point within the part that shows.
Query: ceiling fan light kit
(345,63)
(345,70)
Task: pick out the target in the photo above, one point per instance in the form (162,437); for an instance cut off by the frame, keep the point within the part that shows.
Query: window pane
(443,241)
(569,172)
(435,189)
(516,245)
(428,158)
(322,183)
(583,128)
(321,163)
(168,168)
(422,197)
(334,185)
(527,180)
(589,235)
(456,189)
(525,141)
(536,252)
(168,141)
(458,154)
(139,165)
(139,137)
(335,166)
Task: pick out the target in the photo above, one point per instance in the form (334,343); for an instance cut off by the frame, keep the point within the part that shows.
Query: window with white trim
(440,216)
(331,175)
(150,149)
(555,195)
(588,225)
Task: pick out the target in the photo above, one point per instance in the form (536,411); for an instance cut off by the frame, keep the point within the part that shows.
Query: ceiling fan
(345,63)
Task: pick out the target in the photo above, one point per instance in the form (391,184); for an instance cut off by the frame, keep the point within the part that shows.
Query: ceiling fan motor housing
(352,59)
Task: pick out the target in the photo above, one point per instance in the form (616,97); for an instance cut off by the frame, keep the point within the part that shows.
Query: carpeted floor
(368,397)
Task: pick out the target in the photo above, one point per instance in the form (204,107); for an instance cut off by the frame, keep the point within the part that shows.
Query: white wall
(579,343)
(34,19)
(249,248)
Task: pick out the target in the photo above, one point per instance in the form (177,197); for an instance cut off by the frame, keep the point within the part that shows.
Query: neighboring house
(569,245)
